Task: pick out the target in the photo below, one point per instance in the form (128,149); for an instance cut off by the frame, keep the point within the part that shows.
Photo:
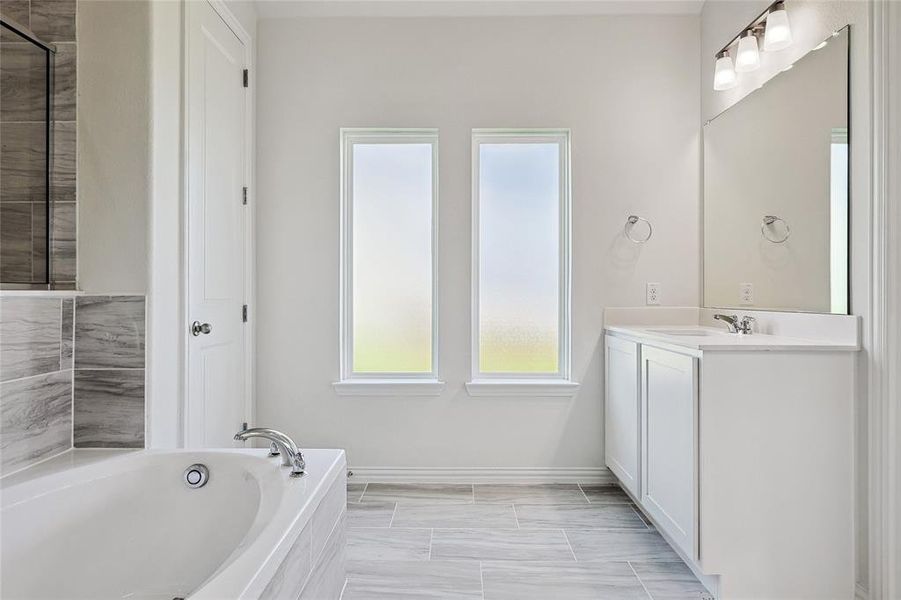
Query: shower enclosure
(26,215)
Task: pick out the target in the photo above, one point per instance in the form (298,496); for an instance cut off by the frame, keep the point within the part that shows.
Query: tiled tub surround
(516,542)
(22,207)
(71,373)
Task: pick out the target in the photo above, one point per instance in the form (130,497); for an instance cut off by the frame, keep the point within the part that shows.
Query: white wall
(113,144)
(812,22)
(628,88)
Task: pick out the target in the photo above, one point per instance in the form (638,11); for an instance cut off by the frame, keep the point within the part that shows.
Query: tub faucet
(291,455)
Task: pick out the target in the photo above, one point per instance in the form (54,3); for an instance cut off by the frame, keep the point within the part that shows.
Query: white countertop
(719,339)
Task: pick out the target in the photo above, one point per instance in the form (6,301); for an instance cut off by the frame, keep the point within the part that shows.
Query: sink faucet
(745,326)
(291,455)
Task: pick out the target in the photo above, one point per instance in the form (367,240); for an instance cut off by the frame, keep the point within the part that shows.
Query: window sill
(522,387)
(389,387)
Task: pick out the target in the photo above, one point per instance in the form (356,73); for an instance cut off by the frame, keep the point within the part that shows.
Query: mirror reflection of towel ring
(768,221)
(630,223)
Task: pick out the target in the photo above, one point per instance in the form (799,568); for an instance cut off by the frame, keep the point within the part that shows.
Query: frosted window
(392,257)
(519,257)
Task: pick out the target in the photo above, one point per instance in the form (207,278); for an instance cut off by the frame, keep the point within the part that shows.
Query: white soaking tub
(130,527)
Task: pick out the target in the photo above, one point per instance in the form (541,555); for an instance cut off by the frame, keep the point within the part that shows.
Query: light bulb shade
(778,32)
(724,77)
(748,57)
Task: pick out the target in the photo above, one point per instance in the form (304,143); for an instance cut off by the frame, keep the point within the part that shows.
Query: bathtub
(130,527)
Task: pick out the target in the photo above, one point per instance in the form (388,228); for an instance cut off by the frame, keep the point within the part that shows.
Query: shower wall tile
(109,332)
(17,10)
(22,160)
(63,174)
(67,334)
(63,265)
(64,82)
(53,20)
(16,253)
(39,242)
(109,408)
(29,329)
(22,82)
(35,419)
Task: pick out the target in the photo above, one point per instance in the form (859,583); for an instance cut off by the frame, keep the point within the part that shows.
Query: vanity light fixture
(772,26)
(778,34)
(724,78)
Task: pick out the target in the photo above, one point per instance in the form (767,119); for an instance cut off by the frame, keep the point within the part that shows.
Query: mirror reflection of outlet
(653,294)
(746,293)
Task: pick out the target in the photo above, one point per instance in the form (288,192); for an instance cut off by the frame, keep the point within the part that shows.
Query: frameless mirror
(776,191)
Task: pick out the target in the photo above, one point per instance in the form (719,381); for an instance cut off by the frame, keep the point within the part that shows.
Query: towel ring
(630,222)
(768,221)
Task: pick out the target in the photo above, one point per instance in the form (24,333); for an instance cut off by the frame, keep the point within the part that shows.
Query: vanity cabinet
(621,412)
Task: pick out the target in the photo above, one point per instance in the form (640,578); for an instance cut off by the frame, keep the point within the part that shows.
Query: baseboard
(860,592)
(481,475)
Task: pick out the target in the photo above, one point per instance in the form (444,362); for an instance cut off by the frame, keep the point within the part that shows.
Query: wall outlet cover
(653,294)
(746,293)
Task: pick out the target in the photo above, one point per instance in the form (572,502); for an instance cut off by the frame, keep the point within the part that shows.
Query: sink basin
(686,332)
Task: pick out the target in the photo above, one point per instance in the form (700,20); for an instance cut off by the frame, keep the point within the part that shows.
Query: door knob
(197,328)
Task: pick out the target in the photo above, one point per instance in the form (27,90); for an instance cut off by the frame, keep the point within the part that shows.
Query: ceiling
(281,9)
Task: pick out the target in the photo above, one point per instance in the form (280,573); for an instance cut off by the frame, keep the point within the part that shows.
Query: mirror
(25,132)
(776,191)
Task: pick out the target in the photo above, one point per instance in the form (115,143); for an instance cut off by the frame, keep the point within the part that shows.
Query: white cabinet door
(621,411)
(669,455)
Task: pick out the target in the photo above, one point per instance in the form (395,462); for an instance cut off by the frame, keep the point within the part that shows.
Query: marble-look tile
(379,543)
(16,252)
(529,494)
(53,20)
(455,516)
(64,82)
(29,330)
(35,419)
(23,82)
(500,544)
(66,334)
(670,581)
(109,408)
(418,493)
(23,158)
(109,332)
(63,173)
(606,494)
(606,544)
(595,516)
(330,510)
(573,581)
(434,579)
(63,265)
(294,570)
(330,572)
(373,514)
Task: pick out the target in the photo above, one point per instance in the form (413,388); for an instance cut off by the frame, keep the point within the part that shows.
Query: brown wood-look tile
(63,245)
(23,160)
(65,77)
(53,20)
(16,243)
(63,174)
(23,82)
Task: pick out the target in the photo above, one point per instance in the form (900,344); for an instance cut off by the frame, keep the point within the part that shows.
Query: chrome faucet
(745,326)
(291,455)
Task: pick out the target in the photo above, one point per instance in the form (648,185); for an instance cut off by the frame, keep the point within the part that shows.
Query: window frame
(544,384)
(370,383)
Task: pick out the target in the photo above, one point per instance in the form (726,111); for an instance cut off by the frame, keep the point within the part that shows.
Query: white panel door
(621,411)
(669,401)
(216,242)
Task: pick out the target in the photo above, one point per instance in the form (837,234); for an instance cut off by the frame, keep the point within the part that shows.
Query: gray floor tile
(388,544)
(606,494)
(596,516)
(455,516)
(500,544)
(529,494)
(607,544)
(355,491)
(374,514)
(569,581)
(670,581)
(418,493)
(390,580)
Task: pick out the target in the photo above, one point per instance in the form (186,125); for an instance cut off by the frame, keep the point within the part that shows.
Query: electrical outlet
(653,294)
(746,293)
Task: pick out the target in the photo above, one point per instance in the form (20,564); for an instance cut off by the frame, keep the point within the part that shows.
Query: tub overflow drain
(196,476)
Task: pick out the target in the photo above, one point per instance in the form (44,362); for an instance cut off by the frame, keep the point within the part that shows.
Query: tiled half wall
(71,374)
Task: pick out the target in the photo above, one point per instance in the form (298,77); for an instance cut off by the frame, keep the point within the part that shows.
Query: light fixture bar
(756,23)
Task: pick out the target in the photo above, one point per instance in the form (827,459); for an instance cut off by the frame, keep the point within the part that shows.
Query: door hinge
(244,196)
(244,313)
(246,78)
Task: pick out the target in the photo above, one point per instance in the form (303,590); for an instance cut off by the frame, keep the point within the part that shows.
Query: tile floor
(500,542)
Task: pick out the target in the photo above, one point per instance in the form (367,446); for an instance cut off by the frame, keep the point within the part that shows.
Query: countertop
(714,339)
